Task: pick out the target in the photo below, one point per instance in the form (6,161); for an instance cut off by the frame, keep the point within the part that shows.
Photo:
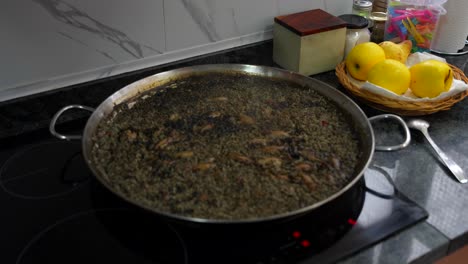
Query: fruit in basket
(362,58)
(397,51)
(430,78)
(391,75)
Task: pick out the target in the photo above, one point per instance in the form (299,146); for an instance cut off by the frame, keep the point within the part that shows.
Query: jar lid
(310,22)
(362,5)
(354,21)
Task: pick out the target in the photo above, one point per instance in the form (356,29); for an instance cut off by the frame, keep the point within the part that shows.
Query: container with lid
(378,30)
(362,8)
(309,42)
(356,31)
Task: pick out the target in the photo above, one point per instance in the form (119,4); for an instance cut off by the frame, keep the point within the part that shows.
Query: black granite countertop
(415,169)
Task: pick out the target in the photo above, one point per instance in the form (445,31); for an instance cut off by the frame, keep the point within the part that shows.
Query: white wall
(47,44)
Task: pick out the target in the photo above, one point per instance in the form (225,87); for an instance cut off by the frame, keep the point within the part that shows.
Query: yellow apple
(430,78)
(397,51)
(391,75)
(362,58)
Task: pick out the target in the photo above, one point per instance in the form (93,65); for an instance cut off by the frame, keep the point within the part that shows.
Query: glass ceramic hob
(54,211)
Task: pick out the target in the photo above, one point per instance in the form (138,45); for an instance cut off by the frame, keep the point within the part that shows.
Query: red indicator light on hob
(296,234)
(351,221)
(305,243)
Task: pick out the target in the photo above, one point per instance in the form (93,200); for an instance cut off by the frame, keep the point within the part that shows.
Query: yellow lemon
(430,78)
(362,57)
(391,75)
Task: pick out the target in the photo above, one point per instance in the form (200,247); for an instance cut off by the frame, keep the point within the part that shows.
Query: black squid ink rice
(228,146)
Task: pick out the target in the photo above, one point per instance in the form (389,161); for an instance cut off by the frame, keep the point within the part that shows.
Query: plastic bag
(415,20)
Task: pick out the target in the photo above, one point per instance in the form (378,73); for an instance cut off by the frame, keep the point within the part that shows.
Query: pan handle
(58,114)
(403,124)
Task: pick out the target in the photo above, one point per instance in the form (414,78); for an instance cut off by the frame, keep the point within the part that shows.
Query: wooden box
(309,42)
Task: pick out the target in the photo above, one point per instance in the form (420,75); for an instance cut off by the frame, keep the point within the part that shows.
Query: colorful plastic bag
(415,20)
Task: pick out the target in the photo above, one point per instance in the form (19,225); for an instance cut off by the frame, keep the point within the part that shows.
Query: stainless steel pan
(153,82)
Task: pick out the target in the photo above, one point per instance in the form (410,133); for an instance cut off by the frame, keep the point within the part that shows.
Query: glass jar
(356,31)
(362,8)
(378,29)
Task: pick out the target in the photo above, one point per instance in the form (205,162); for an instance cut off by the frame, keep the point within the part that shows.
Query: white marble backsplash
(48,44)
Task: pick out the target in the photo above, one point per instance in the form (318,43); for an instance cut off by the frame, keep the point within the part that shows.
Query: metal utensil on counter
(422,126)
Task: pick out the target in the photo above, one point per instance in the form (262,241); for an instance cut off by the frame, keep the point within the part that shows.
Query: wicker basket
(405,108)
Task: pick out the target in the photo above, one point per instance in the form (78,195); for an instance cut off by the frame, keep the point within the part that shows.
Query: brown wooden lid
(310,22)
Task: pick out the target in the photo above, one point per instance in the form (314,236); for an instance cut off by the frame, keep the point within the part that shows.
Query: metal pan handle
(403,124)
(56,117)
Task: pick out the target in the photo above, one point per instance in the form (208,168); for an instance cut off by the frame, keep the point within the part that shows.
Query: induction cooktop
(54,211)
